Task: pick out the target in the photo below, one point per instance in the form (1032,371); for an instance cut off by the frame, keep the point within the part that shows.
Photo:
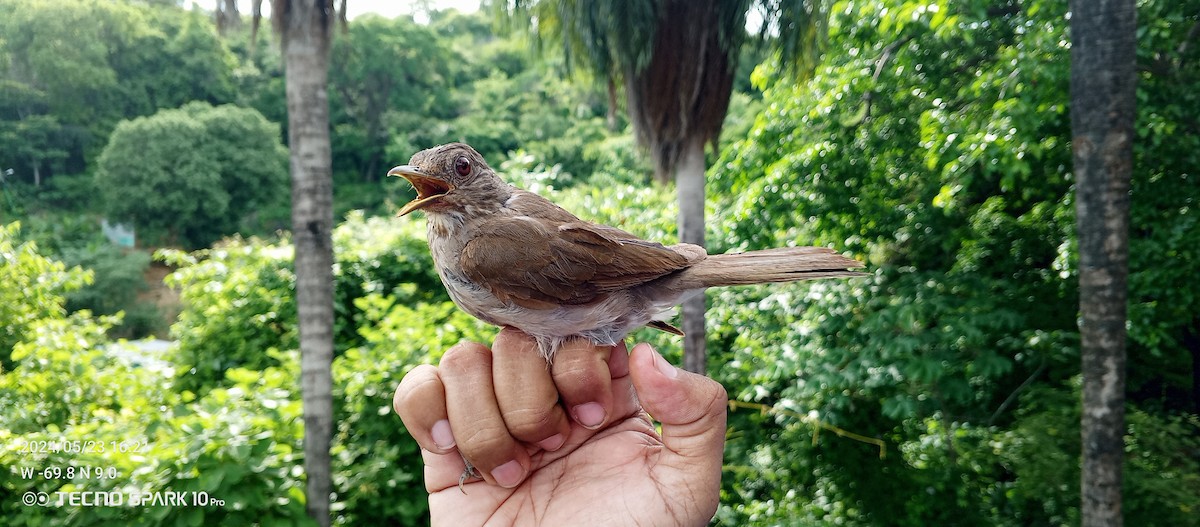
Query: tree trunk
(677,103)
(305,28)
(227,16)
(689,181)
(611,117)
(1103,83)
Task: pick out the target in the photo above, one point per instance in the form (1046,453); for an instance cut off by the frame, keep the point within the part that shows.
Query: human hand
(603,465)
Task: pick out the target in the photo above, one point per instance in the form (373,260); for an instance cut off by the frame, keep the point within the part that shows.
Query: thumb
(691,408)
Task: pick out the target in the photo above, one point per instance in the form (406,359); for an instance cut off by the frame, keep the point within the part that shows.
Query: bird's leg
(468,473)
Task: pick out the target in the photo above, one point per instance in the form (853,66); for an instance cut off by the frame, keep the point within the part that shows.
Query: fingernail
(590,415)
(442,437)
(553,442)
(509,474)
(663,366)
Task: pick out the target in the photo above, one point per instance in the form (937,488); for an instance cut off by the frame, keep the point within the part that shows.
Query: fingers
(490,405)
(525,393)
(474,414)
(420,401)
(690,407)
(584,380)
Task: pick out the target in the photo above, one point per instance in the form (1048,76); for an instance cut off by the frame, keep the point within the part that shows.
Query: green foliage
(46,361)
(387,73)
(238,296)
(119,279)
(114,429)
(379,255)
(377,465)
(220,413)
(154,157)
(237,305)
(74,68)
(198,171)
(111,410)
(1162,478)
(31,138)
(934,142)
(117,275)
(391,314)
(32,289)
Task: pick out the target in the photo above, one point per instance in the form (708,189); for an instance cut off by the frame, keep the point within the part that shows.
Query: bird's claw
(468,473)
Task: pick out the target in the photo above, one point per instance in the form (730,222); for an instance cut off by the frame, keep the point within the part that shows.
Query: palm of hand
(608,477)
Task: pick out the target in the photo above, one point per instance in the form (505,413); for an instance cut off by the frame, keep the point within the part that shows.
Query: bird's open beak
(428,188)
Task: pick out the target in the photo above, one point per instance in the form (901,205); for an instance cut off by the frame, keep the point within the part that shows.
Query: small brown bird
(512,258)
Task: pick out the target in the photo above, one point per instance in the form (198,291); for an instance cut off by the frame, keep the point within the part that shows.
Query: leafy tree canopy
(73,69)
(934,141)
(189,175)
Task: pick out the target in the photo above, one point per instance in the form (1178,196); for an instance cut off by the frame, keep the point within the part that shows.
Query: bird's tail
(784,264)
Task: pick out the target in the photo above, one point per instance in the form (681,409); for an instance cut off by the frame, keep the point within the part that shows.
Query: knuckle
(514,340)
(419,384)
(720,397)
(578,372)
(465,356)
(485,442)
(581,347)
(531,424)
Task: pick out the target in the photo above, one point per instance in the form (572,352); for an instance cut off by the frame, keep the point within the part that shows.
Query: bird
(511,257)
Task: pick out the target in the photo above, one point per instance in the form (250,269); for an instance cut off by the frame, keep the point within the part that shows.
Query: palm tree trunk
(1103,84)
(306,35)
(689,182)
(611,117)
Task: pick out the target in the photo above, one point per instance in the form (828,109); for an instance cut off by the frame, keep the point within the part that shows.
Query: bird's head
(451,177)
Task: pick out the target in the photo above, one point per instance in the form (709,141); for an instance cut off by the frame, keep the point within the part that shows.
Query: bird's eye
(462,165)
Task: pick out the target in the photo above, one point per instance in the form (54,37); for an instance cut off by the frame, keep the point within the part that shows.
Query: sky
(386,8)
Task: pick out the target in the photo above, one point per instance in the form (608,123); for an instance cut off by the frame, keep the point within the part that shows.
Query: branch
(1013,396)
(880,62)
(816,423)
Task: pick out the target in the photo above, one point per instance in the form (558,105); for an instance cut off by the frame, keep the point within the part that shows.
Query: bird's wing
(557,263)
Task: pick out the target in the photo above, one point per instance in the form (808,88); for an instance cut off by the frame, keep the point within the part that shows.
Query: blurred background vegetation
(932,141)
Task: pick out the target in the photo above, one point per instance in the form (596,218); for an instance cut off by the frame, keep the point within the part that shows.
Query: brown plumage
(511,257)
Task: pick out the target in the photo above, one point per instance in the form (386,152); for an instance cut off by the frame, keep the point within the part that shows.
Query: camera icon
(31,498)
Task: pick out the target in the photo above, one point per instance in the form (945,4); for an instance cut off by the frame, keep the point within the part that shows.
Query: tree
(962,350)
(305,28)
(195,172)
(31,137)
(677,60)
(226,15)
(1103,85)
(32,289)
(73,69)
(388,71)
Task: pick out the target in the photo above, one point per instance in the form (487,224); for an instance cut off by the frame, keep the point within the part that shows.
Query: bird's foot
(469,473)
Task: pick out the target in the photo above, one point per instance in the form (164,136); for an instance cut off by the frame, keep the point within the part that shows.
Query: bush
(83,413)
(391,314)
(32,289)
(228,424)
(238,296)
(240,444)
(119,279)
(237,304)
(377,465)
(191,175)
